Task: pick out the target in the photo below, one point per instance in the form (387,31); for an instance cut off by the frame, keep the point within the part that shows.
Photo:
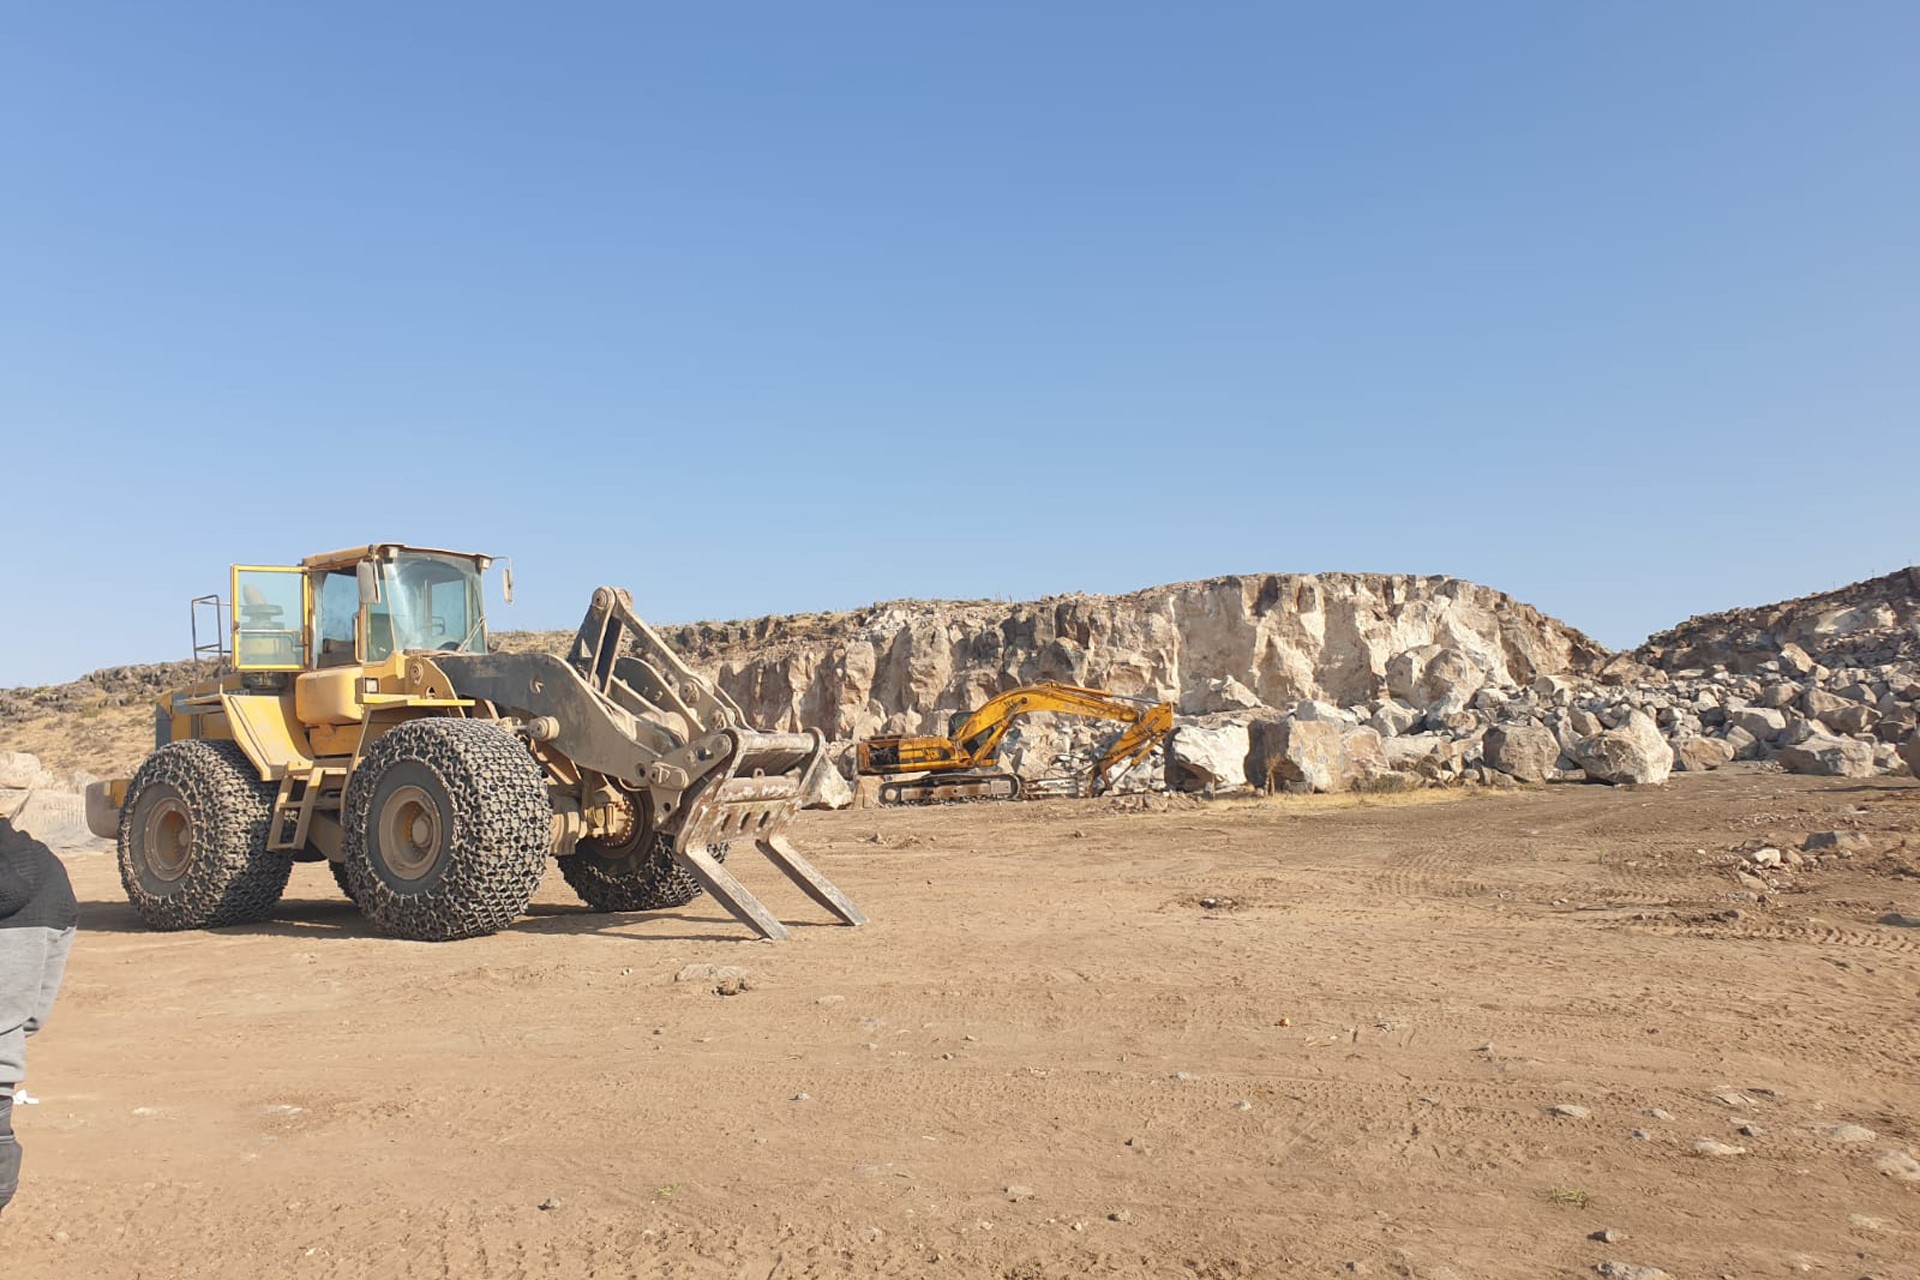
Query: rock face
(1273,638)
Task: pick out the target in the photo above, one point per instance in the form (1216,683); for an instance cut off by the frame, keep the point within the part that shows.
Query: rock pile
(1441,720)
(1867,624)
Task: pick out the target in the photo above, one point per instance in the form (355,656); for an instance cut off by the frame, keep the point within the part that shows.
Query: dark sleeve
(15,889)
(34,889)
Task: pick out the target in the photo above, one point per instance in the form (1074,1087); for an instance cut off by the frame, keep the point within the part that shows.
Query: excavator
(960,766)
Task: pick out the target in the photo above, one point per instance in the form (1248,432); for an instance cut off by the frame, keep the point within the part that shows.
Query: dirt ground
(1047,1056)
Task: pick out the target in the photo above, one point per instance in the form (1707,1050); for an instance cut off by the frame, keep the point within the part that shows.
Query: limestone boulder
(1634,753)
(1528,752)
(1910,752)
(1898,724)
(1312,755)
(1745,745)
(1820,704)
(1203,758)
(1854,717)
(1427,755)
(1765,723)
(830,789)
(1394,718)
(22,771)
(1696,754)
(1551,688)
(1584,723)
(1828,756)
(1794,659)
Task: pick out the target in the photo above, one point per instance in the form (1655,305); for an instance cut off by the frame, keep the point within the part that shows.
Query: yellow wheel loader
(357,717)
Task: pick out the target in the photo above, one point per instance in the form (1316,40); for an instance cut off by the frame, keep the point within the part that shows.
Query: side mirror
(369,579)
(506,582)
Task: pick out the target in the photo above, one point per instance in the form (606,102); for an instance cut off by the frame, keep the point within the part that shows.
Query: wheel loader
(358,717)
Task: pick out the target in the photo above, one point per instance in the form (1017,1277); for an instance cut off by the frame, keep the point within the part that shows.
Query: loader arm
(654,672)
(622,705)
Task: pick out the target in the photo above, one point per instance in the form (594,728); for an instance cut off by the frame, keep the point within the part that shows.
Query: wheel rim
(411,834)
(167,838)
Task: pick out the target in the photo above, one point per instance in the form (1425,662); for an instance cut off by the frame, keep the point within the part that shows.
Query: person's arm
(53,967)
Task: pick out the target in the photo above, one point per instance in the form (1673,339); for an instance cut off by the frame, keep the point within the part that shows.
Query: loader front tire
(447,828)
(193,839)
(641,876)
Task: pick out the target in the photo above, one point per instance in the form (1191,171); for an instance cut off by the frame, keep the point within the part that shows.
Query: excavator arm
(1132,746)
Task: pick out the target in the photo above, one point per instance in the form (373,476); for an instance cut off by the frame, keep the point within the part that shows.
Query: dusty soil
(1398,993)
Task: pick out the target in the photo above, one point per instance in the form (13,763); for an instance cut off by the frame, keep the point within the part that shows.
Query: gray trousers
(32,962)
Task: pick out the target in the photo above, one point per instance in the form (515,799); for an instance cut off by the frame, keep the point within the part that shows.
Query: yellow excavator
(961,765)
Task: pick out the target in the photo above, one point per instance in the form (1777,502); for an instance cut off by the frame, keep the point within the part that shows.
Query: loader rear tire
(339,870)
(193,839)
(639,877)
(447,829)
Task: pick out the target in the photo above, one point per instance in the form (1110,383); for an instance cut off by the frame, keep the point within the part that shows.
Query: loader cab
(362,605)
(421,600)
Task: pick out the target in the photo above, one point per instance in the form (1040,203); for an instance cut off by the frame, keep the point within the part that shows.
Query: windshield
(427,602)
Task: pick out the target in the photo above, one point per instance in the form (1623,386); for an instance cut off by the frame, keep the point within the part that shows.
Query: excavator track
(946,788)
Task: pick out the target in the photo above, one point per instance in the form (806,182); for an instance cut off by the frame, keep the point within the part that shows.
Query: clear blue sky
(767,307)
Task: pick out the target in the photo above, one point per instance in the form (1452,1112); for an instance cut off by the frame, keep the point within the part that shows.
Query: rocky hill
(1866,624)
(1270,639)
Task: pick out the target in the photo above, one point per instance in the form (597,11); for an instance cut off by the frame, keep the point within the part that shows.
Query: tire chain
(232,879)
(499,834)
(651,881)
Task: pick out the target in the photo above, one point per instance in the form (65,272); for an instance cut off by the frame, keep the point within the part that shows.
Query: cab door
(271,605)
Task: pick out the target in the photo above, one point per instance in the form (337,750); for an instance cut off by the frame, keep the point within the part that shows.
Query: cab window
(339,612)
